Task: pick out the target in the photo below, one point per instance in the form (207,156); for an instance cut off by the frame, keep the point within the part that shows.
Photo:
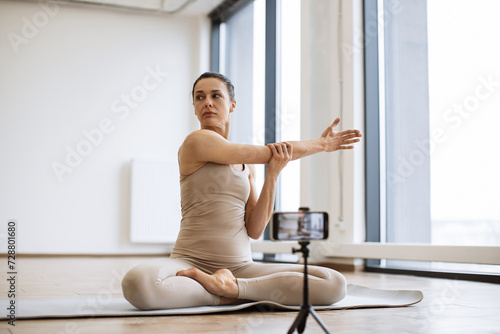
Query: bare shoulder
(200,137)
(204,146)
(194,148)
(196,138)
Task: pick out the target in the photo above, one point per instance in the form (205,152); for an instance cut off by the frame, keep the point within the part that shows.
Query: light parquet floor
(448,307)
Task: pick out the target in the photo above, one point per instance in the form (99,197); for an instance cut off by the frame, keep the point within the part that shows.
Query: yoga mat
(102,306)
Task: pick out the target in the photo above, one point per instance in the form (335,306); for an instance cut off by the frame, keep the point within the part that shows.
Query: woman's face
(212,103)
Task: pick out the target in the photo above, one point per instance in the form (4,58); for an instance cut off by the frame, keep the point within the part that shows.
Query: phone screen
(299,226)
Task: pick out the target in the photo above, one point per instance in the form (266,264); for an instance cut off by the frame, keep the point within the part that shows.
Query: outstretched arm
(207,146)
(258,210)
(328,142)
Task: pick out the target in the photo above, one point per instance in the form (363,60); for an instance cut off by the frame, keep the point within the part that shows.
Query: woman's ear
(233,106)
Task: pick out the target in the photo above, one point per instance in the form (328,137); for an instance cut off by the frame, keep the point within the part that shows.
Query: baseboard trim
(342,267)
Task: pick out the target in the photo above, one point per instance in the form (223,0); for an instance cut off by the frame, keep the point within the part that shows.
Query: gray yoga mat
(32,308)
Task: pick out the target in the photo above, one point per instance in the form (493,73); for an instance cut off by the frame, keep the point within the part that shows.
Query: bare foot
(222,283)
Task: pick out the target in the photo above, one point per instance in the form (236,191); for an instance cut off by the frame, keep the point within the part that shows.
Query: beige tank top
(213,200)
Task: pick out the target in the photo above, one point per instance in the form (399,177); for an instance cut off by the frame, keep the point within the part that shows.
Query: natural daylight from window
(464,98)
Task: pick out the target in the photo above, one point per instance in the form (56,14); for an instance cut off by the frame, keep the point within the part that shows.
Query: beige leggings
(154,284)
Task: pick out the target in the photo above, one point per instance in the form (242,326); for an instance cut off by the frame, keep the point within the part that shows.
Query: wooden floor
(448,306)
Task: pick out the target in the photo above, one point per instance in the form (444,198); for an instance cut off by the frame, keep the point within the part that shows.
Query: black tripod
(305,308)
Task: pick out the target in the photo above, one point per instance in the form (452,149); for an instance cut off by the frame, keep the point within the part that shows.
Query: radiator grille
(155,201)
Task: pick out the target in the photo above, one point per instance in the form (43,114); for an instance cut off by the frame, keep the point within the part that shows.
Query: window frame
(221,14)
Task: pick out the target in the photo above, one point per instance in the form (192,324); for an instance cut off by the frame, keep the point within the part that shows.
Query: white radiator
(155,201)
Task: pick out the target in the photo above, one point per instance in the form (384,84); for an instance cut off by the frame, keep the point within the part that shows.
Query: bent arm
(258,211)
(259,208)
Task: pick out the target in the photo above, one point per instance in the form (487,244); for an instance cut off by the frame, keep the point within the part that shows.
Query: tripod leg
(300,321)
(302,324)
(315,315)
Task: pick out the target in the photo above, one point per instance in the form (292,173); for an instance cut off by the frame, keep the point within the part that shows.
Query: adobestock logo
(461,111)
(31,28)
(453,116)
(120,107)
(139,93)
(362,38)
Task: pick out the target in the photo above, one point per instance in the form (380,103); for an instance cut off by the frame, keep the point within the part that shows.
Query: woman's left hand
(334,141)
(282,154)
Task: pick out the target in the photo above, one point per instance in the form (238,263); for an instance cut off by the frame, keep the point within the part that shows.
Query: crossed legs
(174,283)
(154,285)
(283,283)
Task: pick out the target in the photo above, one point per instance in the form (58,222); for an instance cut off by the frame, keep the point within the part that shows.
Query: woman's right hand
(282,154)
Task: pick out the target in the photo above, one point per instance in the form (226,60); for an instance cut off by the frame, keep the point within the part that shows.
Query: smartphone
(299,226)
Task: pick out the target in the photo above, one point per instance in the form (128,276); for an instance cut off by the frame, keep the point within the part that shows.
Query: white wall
(67,70)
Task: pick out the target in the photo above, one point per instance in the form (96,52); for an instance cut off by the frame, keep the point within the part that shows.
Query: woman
(211,262)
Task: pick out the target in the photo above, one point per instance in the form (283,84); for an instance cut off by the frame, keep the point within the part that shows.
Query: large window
(464,100)
(433,97)
(257,45)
